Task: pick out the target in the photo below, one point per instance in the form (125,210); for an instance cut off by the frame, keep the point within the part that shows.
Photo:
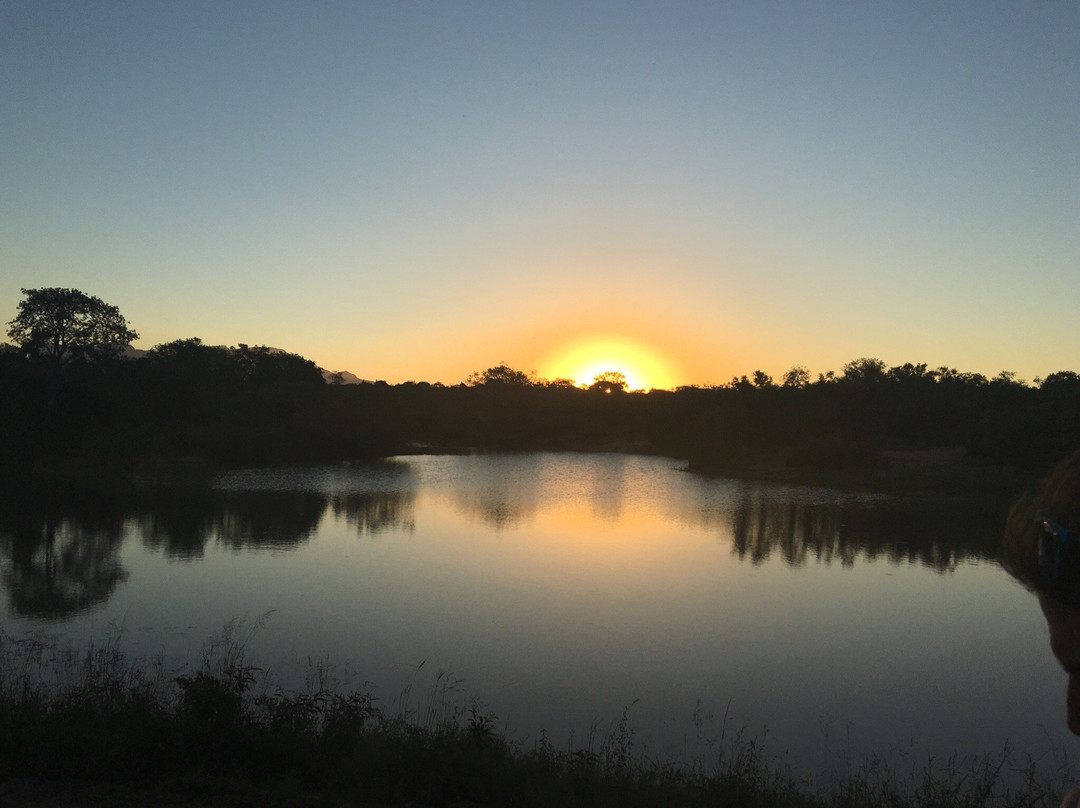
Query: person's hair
(1057,498)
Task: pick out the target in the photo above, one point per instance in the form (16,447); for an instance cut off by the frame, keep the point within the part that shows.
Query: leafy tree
(798,376)
(1008,378)
(1064,380)
(909,372)
(66,324)
(192,363)
(761,379)
(610,381)
(185,376)
(864,371)
(952,376)
(263,367)
(500,374)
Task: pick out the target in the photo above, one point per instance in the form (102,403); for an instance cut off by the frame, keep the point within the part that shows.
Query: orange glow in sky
(486,187)
(582,359)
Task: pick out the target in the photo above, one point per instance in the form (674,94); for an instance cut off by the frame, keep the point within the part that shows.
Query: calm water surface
(560,589)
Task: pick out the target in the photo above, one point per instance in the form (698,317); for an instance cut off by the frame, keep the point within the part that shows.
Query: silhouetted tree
(908,372)
(1007,378)
(1063,380)
(500,374)
(798,376)
(761,379)
(66,324)
(610,381)
(947,375)
(193,369)
(864,371)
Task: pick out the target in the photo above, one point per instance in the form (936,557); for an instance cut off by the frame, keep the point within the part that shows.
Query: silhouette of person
(1041,549)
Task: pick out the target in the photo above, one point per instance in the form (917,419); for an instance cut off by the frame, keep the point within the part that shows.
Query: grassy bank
(90,727)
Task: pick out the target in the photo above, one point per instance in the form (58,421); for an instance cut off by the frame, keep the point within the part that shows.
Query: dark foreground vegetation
(90,728)
(67,393)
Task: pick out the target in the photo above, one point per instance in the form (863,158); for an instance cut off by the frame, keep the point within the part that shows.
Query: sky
(681,191)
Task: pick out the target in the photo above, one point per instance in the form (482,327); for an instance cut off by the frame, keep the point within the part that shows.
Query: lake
(562,589)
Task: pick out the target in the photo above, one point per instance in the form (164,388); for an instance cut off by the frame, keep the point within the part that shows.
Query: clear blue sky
(420,190)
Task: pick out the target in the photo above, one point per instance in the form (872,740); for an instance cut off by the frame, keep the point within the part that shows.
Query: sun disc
(583,359)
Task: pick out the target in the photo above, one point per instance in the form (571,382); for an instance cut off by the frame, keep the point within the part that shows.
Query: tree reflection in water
(937,533)
(251,519)
(59,549)
(69,570)
(375,512)
(59,546)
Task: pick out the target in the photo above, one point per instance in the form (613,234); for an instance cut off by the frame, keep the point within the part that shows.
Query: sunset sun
(582,360)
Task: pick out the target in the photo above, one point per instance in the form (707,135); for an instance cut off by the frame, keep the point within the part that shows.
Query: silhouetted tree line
(66,392)
(869,412)
(183,399)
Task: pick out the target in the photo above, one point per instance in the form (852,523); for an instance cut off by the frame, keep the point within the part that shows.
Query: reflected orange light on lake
(583,542)
(583,358)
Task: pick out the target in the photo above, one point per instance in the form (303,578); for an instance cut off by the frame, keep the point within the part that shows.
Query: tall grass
(91,715)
